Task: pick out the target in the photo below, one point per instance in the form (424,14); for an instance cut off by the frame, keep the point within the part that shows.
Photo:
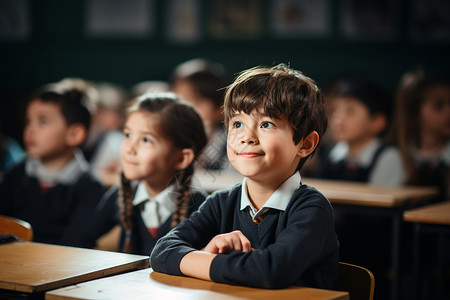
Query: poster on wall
(235,19)
(119,19)
(369,19)
(299,18)
(14,20)
(429,21)
(182,23)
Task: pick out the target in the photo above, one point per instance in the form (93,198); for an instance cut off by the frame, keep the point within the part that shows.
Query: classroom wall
(57,45)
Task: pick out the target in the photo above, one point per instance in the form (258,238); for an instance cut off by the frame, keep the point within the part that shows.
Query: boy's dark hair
(208,78)
(73,104)
(279,92)
(182,126)
(377,100)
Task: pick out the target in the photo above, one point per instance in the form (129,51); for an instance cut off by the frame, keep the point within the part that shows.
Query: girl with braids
(162,138)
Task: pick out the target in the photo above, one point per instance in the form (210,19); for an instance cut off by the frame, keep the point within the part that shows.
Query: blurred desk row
(31,270)
(351,198)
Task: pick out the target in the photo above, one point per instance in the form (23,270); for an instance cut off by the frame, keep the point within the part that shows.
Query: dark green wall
(57,47)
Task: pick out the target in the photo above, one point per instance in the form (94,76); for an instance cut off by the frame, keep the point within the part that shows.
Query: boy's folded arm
(281,264)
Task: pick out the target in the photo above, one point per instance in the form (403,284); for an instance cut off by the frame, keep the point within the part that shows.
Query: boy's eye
(237,125)
(267,125)
(127,135)
(438,105)
(43,121)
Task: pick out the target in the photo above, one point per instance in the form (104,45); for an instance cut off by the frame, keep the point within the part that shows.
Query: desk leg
(396,236)
(416,262)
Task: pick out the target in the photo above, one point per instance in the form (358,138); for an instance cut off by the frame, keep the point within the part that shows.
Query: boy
(52,189)
(359,115)
(271,231)
(201,83)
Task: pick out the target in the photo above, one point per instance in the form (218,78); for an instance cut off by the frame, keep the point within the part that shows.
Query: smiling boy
(270,231)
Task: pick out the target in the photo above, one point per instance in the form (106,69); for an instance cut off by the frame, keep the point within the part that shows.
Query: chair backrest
(359,282)
(19,228)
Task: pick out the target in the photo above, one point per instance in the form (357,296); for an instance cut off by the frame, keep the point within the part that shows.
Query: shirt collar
(363,159)
(68,175)
(279,199)
(166,198)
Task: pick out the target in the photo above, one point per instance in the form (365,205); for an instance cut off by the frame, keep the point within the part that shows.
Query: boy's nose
(249,137)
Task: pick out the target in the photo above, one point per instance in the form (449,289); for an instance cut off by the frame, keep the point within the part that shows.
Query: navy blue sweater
(297,246)
(142,243)
(57,216)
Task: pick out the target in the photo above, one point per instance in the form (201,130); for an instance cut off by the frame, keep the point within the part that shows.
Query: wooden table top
(341,192)
(145,284)
(438,213)
(34,267)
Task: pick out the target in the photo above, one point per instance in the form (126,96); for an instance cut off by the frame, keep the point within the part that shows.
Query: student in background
(202,83)
(162,139)
(422,129)
(53,189)
(359,115)
(106,136)
(271,231)
(11,153)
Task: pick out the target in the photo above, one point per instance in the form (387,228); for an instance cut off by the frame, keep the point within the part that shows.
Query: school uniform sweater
(58,215)
(142,242)
(297,246)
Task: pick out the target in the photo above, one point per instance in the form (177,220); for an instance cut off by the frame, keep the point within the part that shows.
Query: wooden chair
(19,228)
(359,282)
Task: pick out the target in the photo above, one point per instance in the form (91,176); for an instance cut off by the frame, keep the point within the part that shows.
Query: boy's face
(262,148)
(350,120)
(45,130)
(210,114)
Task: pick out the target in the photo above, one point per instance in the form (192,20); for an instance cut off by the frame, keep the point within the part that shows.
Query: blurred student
(202,83)
(422,129)
(53,189)
(359,115)
(271,231)
(106,135)
(11,153)
(162,139)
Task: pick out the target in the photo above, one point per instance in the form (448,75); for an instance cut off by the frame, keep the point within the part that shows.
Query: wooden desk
(350,197)
(434,218)
(438,213)
(146,284)
(34,267)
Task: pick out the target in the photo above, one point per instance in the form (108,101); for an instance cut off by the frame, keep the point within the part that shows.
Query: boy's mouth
(249,154)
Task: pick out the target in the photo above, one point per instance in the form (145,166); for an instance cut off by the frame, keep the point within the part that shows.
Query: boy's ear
(308,144)
(379,123)
(185,158)
(76,134)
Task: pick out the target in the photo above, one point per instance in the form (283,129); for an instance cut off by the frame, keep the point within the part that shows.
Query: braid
(183,197)
(126,210)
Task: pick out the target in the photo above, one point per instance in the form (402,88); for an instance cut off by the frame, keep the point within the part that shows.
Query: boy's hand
(227,242)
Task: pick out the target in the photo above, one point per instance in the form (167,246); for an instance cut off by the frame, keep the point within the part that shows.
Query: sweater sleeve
(305,252)
(191,234)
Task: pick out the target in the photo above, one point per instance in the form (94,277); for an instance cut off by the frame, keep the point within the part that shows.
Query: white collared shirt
(156,209)
(67,175)
(388,169)
(278,200)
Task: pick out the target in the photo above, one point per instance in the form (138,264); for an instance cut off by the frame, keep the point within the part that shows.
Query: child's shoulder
(307,195)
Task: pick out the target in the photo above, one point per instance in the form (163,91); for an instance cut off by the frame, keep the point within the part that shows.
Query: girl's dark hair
(74,105)
(180,124)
